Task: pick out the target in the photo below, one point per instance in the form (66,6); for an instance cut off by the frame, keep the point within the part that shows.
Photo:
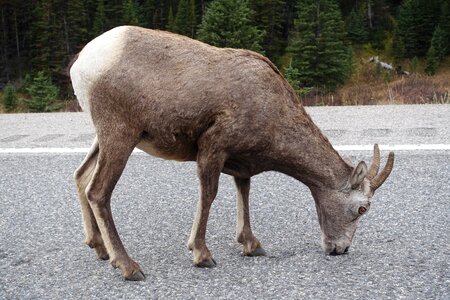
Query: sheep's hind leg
(82,178)
(209,166)
(252,247)
(114,151)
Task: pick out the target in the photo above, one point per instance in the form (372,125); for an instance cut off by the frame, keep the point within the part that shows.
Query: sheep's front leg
(244,234)
(209,168)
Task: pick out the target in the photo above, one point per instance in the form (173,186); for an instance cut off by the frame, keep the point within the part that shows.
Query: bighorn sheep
(229,110)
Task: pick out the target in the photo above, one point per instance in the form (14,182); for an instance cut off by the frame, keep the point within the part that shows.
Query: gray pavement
(401,248)
(407,124)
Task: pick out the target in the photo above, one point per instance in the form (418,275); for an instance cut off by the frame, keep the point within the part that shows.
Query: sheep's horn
(375,166)
(376,182)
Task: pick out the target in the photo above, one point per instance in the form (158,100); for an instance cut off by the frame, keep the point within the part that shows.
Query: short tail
(72,61)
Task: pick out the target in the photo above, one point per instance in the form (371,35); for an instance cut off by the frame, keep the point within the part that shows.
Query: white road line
(407,147)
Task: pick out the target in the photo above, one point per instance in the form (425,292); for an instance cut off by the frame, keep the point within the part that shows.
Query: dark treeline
(312,41)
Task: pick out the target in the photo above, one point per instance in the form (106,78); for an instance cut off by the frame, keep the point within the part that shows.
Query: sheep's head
(339,211)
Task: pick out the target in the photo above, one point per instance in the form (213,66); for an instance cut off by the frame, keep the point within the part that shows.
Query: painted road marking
(407,147)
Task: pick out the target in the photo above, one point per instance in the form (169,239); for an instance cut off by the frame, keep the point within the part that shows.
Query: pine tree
(4,42)
(90,7)
(432,61)
(437,50)
(428,19)
(444,22)
(378,19)
(416,22)
(116,11)
(59,53)
(15,36)
(185,20)
(40,33)
(76,26)
(43,94)
(48,43)
(440,42)
(268,18)
(170,20)
(356,27)
(226,23)
(318,48)
(130,13)
(292,74)
(148,12)
(9,98)
(99,24)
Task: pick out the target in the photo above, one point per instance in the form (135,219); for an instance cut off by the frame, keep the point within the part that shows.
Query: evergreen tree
(48,44)
(170,20)
(76,26)
(161,14)
(4,42)
(268,17)
(130,13)
(440,42)
(226,23)
(41,36)
(148,13)
(432,61)
(118,11)
(416,22)
(185,20)
(378,18)
(9,98)
(444,22)
(318,48)
(99,24)
(59,53)
(43,94)
(405,39)
(90,7)
(292,74)
(356,27)
(437,50)
(15,36)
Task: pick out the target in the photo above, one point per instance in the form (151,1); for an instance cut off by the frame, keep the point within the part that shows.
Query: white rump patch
(95,60)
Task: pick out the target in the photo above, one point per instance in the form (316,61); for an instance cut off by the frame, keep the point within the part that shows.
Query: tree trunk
(66,36)
(17,34)
(5,47)
(19,59)
(202,7)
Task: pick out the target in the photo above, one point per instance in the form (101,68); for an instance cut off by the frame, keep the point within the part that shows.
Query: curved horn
(384,174)
(375,166)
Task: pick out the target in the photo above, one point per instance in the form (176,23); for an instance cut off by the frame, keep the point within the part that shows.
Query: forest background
(332,52)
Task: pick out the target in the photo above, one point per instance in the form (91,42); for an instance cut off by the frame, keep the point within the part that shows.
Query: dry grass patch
(413,89)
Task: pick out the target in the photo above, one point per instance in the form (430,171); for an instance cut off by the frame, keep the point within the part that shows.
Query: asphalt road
(401,248)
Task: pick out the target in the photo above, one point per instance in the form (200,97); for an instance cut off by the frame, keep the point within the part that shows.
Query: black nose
(346,250)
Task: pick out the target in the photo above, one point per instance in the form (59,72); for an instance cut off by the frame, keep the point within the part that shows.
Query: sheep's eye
(362,210)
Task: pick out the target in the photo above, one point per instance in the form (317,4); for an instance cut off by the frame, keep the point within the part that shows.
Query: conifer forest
(331,51)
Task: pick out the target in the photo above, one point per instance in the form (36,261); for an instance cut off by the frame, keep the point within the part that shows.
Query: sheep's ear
(358,175)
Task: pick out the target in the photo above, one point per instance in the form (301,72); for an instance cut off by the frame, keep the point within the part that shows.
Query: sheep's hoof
(257,252)
(103,257)
(138,276)
(102,253)
(207,263)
